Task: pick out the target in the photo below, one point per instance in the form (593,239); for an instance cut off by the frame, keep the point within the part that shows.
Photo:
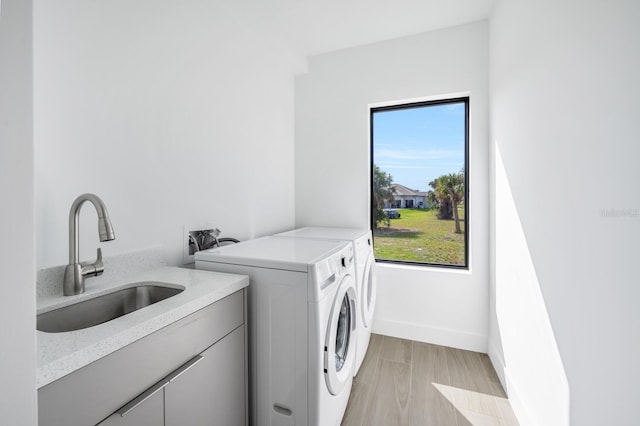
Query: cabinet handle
(131,405)
(186,366)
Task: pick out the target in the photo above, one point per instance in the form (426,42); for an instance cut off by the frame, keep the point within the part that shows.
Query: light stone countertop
(62,353)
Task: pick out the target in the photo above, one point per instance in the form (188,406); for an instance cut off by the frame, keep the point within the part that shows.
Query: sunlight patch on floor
(478,408)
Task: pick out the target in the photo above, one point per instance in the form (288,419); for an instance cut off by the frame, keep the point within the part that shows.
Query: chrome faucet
(76,271)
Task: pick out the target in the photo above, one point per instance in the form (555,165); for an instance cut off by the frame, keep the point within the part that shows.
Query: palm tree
(441,198)
(453,186)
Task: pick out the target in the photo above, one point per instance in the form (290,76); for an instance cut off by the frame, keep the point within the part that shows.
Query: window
(419,183)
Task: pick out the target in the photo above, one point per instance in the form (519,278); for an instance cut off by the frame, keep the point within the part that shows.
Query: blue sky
(417,145)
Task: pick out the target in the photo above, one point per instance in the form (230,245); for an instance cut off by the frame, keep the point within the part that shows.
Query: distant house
(404,197)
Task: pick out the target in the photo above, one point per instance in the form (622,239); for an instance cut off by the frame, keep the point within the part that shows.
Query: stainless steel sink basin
(104,308)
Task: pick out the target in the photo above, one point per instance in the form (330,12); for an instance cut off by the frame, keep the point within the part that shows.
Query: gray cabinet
(193,371)
(212,392)
(207,390)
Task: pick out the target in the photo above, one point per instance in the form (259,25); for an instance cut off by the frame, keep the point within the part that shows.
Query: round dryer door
(368,291)
(339,354)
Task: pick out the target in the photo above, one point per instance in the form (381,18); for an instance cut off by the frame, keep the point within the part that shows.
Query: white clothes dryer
(365,276)
(302,321)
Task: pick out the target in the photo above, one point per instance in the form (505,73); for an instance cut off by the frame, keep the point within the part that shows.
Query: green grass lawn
(419,237)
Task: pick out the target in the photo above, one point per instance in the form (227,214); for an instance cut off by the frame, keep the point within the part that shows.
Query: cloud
(418,154)
(456,108)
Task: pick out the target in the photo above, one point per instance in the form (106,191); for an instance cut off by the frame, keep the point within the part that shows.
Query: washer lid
(291,254)
(326,233)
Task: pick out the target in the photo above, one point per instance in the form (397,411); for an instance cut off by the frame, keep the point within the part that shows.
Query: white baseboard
(438,336)
(498,364)
(519,409)
(517,404)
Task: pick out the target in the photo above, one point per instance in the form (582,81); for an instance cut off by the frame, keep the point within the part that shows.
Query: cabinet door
(145,410)
(213,390)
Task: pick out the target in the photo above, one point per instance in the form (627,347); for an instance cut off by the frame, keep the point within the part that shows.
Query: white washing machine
(302,322)
(365,276)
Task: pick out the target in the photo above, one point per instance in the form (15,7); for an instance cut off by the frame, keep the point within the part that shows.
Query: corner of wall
(497,360)
(17,306)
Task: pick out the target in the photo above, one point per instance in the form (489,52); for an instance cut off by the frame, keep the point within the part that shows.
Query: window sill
(425,268)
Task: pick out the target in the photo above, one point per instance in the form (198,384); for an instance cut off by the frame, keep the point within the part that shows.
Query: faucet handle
(99,267)
(93,269)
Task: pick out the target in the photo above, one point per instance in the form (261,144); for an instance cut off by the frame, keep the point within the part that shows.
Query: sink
(104,308)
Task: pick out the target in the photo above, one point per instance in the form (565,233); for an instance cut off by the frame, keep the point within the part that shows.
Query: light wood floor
(410,383)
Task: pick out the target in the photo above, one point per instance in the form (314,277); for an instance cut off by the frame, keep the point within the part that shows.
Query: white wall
(17,253)
(523,346)
(564,112)
(173,112)
(332,169)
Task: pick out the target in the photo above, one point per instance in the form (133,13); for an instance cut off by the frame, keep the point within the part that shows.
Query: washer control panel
(330,271)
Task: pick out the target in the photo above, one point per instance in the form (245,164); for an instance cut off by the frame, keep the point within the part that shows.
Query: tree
(382,191)
(449,193)
(442,201)
(431,199)
(454,187)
